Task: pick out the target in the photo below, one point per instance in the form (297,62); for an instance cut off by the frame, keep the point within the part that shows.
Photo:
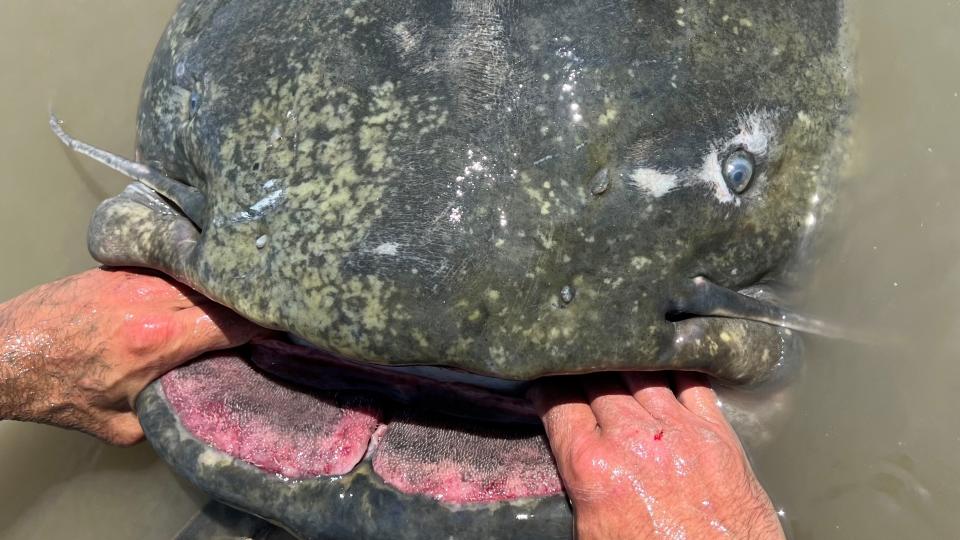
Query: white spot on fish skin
(213,458)
(262,242)
(542,160)
(181,69)
(387,248)
(756,132)
(267,202)
(711,173)
(653,181)
(811,220)
(640,263)
(407,40)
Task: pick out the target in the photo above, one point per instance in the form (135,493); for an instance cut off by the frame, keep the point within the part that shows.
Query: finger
(123,430)
(153,286)
(612,403)
(211,328)
(694,393)
(652,390)
(565,413)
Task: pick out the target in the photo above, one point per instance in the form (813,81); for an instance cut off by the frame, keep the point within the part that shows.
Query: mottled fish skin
(513,188)
(510,187)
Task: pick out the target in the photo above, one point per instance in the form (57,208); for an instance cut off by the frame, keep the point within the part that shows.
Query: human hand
(75,353)
(641,460)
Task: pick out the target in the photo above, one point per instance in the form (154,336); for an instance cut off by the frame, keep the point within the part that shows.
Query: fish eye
(738,170)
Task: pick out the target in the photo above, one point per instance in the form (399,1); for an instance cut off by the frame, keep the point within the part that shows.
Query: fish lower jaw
(297,433)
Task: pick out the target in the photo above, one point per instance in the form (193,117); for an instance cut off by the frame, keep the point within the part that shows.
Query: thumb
(211,327)
(193,332)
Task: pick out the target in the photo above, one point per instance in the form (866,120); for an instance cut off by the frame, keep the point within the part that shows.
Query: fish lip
(729,334)
(507,397)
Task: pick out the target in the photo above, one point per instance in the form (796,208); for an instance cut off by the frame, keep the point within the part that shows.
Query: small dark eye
(194,103)
(738,170)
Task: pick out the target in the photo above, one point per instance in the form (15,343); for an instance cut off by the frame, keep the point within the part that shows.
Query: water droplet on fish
(567,294)
(262,242)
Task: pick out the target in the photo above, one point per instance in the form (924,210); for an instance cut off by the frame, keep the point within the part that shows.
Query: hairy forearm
(21,353)
(33,340)
(16,359)
(76,352)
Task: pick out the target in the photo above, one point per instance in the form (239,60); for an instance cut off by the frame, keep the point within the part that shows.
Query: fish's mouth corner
(744,338)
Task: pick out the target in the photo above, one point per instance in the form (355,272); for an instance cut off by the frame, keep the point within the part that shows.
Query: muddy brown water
(872,448)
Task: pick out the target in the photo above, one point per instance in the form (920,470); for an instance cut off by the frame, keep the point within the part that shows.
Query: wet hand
(640,459)
(75,353)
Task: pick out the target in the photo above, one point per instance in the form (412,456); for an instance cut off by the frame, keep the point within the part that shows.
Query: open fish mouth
(280,423)
(421,436)
(297,411)
(355,451)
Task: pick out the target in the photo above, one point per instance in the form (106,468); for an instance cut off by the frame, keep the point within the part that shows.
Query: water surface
(873,449)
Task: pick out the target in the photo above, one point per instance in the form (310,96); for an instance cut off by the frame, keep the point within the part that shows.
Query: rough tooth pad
(237,410)
(459,466)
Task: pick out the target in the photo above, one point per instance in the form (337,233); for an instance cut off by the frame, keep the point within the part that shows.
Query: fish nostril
(600,182)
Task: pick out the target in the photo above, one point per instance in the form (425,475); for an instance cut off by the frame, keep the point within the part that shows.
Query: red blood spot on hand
(658,436)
